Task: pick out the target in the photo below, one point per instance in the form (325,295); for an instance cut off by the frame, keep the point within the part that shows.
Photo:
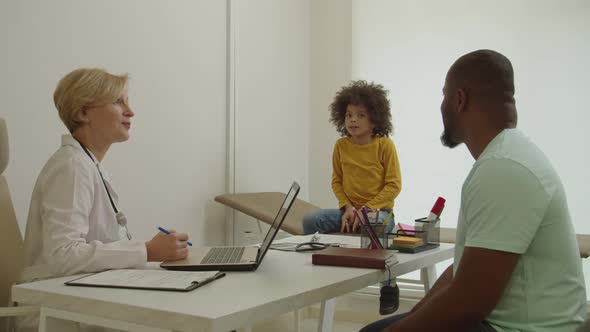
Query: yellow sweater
(367,174)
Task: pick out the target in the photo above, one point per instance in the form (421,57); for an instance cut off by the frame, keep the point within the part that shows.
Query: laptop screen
(278,221)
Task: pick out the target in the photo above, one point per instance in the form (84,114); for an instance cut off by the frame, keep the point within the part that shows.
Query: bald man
(517,265)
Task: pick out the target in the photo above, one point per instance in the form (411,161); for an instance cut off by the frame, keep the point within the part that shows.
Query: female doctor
(75,223)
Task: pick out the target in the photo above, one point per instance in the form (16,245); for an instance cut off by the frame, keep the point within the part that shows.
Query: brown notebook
(355,257)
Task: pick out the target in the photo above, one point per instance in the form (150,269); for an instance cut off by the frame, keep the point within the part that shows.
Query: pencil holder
(408,241)
(424,235)
(430,228)
(379,231)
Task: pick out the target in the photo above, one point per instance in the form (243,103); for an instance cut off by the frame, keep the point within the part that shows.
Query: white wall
(331,65)
(409,46)
(271,96)
(7,37)
(289,58)
(173,166)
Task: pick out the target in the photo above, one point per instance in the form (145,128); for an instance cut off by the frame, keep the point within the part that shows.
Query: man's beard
(446,140)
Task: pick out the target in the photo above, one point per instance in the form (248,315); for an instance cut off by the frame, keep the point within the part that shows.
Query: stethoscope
(312,246)
(119,215)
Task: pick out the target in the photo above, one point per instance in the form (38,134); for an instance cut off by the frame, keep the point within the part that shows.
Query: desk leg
(327,316)
(297,320)
(53,320)
(48,323)
(428,277)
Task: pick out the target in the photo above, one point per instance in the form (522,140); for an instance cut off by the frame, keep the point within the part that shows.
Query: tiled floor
(285,323)
(352,313)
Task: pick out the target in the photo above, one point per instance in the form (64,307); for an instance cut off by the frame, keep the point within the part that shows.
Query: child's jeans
(328,221)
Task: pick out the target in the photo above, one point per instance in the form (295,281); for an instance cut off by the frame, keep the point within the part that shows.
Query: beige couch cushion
(447,235)
(584,244)
(11,243)
(4,151)
(264,206)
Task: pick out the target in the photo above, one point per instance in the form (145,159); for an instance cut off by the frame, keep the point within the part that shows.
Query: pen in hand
(165,231)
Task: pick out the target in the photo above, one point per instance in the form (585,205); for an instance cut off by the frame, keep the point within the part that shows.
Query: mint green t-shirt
(514,201)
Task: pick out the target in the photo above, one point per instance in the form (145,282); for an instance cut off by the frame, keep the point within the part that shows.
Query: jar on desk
(379,221)
(429,229)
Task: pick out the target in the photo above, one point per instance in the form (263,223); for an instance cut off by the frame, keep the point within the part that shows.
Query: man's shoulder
(512,145)
(503,171)
(517,157)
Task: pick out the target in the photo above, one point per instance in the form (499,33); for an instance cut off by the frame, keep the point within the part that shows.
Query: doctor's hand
(167,247)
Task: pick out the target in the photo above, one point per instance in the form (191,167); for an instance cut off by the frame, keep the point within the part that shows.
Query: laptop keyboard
(222,255)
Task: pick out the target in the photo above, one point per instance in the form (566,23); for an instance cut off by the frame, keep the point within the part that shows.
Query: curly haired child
(366,169)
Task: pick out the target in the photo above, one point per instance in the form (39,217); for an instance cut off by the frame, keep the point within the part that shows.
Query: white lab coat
(72,226)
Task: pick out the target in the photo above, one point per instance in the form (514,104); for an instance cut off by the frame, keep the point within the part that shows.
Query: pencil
(387,218)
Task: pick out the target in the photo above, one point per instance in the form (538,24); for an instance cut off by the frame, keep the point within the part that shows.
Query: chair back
(11,241)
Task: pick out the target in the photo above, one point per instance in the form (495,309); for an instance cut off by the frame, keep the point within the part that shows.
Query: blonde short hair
(83,88)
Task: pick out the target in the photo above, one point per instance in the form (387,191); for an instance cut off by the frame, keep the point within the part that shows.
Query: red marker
(436,209)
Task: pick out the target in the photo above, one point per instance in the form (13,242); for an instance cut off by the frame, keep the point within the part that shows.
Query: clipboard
(161,280)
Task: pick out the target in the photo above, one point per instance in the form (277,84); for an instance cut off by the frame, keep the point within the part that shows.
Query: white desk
(285,281)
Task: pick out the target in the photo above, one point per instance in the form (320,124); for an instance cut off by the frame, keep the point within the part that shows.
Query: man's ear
(461,100)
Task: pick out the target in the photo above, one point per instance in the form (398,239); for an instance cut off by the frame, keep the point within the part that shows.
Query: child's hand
(348,221)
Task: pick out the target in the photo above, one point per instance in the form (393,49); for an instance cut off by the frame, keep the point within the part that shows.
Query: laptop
(244,258)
